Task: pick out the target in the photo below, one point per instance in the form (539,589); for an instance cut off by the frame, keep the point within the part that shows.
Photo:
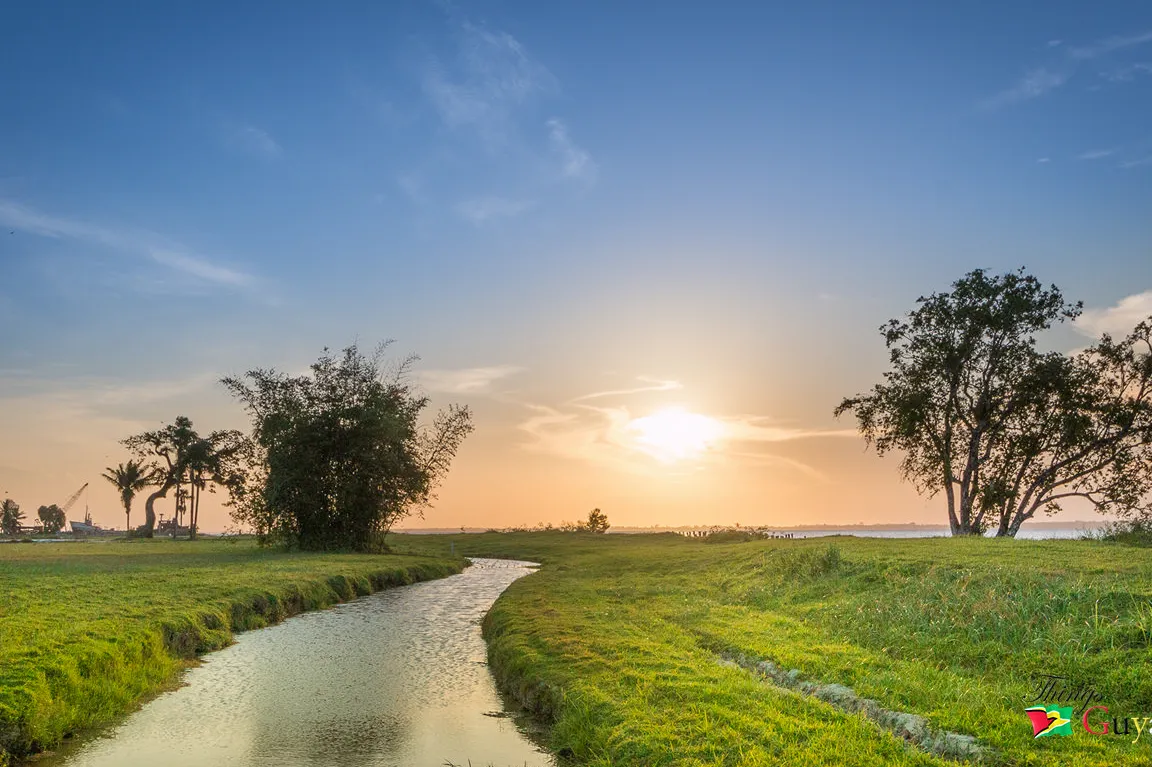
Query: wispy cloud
(1096,154)
(1139,162)
(137,242)
(606,434)
(257,141)
(485,94)
(1127,74)
(492,77)
(650,384)
(1118,319)
(575,162)
(1033,84)
(483,209)
(466,380)
(1064,62)
(1110,45)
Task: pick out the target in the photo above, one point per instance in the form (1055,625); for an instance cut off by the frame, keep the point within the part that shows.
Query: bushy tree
(10,517)
(52,518)
(597,522)
(1003,429)
(342,456)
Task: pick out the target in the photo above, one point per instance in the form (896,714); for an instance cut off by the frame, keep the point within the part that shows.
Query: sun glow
(675,434)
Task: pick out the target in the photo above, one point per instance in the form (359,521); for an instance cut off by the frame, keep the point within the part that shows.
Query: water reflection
(397,678)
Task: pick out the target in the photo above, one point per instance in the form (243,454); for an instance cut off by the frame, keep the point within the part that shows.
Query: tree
(219,460)
(597,522)
(128,479)
(1005,430)
(341,455)
(173,449)
(52,518)
(10,517)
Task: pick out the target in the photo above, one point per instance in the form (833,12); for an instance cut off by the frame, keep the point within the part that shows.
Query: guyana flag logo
(1050,720)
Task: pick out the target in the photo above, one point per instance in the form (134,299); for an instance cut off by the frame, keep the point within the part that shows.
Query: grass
(88,630)
(616,643)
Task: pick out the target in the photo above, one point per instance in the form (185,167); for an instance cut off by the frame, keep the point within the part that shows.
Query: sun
(674,434)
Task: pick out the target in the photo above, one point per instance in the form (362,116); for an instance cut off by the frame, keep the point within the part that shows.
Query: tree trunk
(150,510)
(193,510)
(950,492)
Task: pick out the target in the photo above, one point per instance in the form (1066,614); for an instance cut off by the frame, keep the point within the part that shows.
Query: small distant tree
(341,455)
(129,479)
(52,518)
(10,517)
(597,522)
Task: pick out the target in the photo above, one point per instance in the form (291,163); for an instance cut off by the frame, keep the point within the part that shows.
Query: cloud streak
(1110,45)
(137,242)
(466,380)
(1118,319)
(1039,81)
(249,138)
(1096,154)
(1034,84)
(606,435)
(575,163)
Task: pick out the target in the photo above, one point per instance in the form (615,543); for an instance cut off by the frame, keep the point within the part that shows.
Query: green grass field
(617,642)
(87,630)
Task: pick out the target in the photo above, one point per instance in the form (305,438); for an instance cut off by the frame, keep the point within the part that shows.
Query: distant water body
(1066,533)
(1039,533)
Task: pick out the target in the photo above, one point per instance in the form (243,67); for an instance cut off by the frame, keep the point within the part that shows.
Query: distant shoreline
(1074,524)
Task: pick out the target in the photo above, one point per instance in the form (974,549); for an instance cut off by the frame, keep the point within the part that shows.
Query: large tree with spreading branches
(1004,430)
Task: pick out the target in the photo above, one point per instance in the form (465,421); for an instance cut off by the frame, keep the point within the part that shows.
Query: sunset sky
(650,244)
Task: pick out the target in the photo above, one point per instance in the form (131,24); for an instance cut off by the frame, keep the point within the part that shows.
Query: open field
(618,641)
(89,629)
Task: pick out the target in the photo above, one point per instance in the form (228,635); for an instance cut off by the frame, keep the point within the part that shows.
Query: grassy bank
(89,629)
(619,642)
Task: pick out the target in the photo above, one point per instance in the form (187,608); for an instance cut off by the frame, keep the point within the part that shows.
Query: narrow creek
(395,678)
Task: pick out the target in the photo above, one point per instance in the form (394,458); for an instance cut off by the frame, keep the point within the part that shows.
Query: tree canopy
(128,479)
(174,453)
(341,454)
(52,518)
(10,517)
(1007,431)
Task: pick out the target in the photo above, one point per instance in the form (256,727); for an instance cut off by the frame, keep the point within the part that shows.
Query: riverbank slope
(651,649)
(88,630)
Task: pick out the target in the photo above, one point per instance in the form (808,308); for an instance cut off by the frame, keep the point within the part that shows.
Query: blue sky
(547,201)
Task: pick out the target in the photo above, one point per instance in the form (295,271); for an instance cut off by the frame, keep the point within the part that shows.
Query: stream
(396,678)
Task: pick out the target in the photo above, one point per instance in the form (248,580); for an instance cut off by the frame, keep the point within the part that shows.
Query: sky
(649,244)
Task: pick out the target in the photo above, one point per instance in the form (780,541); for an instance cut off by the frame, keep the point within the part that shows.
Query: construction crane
(68,503)
(86,526)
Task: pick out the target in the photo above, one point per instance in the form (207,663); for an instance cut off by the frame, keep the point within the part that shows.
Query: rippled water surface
(396,678)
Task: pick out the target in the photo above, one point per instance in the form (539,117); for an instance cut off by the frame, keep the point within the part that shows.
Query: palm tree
(129,478)
(10,517)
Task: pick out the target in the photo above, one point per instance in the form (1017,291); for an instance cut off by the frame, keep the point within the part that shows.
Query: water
(1063,533)
(395,678)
